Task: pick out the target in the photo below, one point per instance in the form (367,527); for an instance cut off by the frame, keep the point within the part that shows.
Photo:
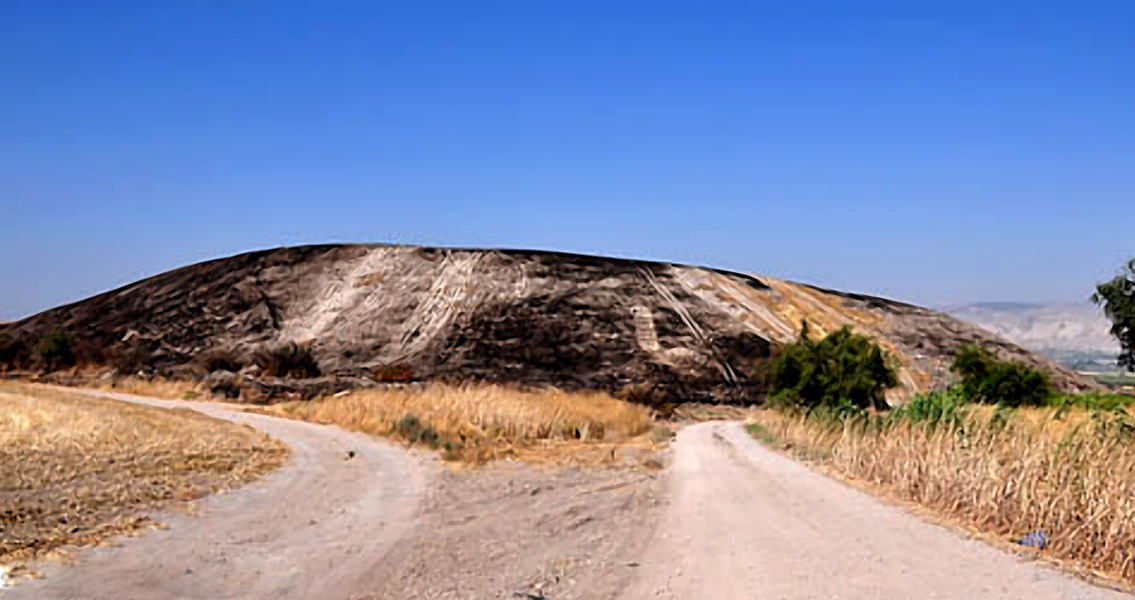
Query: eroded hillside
(379,313)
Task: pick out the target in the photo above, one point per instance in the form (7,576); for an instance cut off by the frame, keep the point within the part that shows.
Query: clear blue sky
(938,154)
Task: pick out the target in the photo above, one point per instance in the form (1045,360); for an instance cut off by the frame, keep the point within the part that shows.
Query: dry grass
(95,378)
(77,469)
(1070,475)
(170,389)
(479,423)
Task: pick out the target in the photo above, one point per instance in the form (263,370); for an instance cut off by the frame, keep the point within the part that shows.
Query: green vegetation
(760,433)
(844,373)
(1115,379)
(987,380)
(414,431)
(1117,297)
(1092,401)
(57,349)
(833,380)
(946,407)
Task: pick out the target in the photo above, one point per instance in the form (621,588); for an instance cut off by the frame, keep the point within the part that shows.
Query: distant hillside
(374,313)
(1074,334)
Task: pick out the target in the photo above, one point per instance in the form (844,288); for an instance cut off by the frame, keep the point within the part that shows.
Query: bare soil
(520,530)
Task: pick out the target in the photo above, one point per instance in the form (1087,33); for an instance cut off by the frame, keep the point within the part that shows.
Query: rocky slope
(372,313)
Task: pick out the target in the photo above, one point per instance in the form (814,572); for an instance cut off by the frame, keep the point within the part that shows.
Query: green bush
(844,372)
(941,407)
(415,431)
(1094,401)
(57,349)
(409,424)
(988,380)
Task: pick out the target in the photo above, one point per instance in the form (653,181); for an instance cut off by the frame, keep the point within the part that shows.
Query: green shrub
(428,436)
(409,426)
(843,373)
(761,433)
(1095,401)
(941,407)
(988,380)
(415,431)
(57,349)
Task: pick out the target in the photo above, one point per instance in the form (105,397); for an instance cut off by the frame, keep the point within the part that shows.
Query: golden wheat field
(76,469)
(1070,475)
(479,423)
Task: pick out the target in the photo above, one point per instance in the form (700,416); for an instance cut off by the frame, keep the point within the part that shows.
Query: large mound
(378,313)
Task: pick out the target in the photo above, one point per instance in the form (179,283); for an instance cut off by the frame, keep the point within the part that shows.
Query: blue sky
(938,154)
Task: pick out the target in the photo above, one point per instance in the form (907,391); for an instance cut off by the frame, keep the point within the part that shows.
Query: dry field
(169,389)
(76,469)
(1070,474)
(480,423)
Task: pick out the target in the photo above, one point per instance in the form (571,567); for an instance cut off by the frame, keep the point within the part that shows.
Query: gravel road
(747,522)
(319,527)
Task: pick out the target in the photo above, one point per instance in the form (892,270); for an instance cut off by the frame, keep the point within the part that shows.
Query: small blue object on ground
(1034,539)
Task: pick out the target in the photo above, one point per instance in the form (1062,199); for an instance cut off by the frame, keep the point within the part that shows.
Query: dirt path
(317,528)
(746,522)
(533,530)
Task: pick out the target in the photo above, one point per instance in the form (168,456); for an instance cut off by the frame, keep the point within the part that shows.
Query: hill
(1076,335)
(372,313)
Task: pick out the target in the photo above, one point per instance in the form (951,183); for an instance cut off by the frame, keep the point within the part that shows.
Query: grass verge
(78,469)
(480,423)
(1063,470)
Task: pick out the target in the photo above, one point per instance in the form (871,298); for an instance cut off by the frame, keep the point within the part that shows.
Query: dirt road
(316,528)
(746,522)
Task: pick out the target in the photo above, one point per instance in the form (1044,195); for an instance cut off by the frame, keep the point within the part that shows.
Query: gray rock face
(371,313)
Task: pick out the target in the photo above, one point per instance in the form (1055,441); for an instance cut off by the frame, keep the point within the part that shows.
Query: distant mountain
(1075,334)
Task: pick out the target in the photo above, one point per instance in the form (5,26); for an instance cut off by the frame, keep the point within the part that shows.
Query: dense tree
(843,371)
(1117,297)
(991,381)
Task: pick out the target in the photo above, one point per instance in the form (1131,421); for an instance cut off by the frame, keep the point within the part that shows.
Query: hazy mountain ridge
(1077,334)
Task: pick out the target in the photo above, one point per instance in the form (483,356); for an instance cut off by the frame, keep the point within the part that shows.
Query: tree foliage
(988,380)
(57,349)
(842,371)
(1117,297)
